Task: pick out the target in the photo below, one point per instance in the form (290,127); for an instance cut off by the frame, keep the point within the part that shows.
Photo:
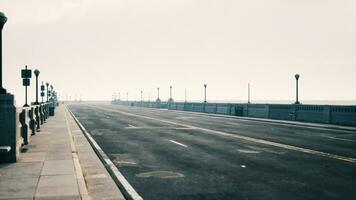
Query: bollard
(37,116)
(32,117)
(24,123)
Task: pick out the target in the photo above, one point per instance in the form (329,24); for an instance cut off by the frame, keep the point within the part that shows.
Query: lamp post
(3,20)
(248,93)
(127,96)
(26,74)
(36,72)
(205,85)
(47,84)
(297,79)
(141,96)
(42,91)
(170,100)
(185,95)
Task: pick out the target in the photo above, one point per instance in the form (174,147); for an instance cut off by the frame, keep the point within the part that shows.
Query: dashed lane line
(178,143)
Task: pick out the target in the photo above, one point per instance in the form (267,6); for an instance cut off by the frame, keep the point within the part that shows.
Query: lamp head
(3,19)
(47,84)
(36,72)
(297,76)
(205,85)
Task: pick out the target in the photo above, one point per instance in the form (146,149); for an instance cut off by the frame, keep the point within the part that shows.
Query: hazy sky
(97,47)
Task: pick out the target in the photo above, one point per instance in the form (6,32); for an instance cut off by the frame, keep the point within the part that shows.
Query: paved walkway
(59,163)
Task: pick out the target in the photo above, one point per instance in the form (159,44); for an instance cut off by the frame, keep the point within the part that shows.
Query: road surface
(181,155)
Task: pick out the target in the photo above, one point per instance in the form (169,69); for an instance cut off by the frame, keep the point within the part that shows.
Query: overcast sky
(96,47)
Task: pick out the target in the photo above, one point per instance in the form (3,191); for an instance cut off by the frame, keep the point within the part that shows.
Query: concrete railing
(17,124)
(328,114)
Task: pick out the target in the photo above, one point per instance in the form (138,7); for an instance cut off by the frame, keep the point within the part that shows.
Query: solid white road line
(175,142)
(128,189)
(236,135)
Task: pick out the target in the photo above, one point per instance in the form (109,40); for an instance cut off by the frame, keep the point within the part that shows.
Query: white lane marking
(131,126)
(335,138)
(250,139)
(175,142)
(129,190)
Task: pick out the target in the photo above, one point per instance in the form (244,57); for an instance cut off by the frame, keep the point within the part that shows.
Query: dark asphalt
(177,161)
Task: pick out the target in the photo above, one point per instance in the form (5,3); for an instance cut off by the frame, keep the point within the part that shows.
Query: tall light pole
(205,85)
(47,84)
(3,20)
(297,92)
(119,96)
(127,96)
(141,96)
(36,72)
(248,89)
(170,95)
(185,95)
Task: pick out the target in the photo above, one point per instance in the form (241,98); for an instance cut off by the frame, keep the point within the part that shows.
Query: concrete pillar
(9,129)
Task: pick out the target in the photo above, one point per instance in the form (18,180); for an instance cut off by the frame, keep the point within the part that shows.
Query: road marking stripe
(175,142)
(335,138)
(236,135)
(129,191)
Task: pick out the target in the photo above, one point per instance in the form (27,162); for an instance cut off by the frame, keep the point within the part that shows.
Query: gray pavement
(57,164)
(176,155)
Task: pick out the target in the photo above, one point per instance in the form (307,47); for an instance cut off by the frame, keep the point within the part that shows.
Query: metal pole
(297,88)
(48,92)
(205,93)
(158,93)
(249,93)
(26,105)
(170,92)
(3,20)
(127,96)
(141,95)
(185,95)
(36,89)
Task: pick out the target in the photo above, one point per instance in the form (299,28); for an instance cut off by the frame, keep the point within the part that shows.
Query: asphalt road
(180,155)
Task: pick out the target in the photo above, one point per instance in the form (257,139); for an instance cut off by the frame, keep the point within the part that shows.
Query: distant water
(314,102)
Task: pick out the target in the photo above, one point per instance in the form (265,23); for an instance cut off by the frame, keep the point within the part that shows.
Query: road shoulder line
(128,191)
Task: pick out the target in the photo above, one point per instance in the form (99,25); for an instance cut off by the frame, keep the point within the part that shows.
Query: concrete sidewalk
(59,163)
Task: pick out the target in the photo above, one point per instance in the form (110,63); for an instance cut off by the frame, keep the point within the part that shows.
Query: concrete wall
(329,114)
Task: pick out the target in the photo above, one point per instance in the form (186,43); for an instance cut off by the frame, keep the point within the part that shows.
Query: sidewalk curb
(128,191)
(78,170)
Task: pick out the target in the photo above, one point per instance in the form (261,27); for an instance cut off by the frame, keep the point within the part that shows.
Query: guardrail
(17,125)
(328,114)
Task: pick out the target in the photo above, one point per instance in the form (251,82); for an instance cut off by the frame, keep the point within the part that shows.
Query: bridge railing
(17,125)
(328,114)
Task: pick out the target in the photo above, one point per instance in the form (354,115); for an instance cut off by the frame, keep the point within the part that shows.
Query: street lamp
(205,85)
(127,96)
(3,20)
(42,91)
(26,74)
(185,95)
(170,95)
(158,100)
(36,72)
(47,84)
(141,96)
(248,91)
(297,79)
